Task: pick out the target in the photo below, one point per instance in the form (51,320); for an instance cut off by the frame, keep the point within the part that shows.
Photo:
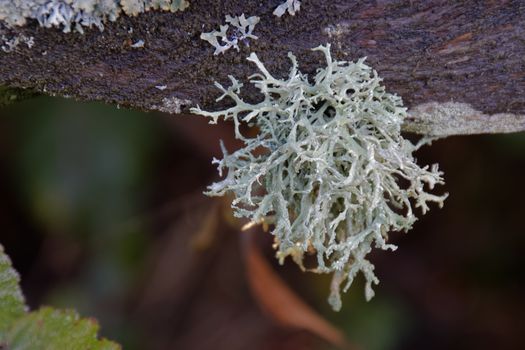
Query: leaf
(45,329)
(12,303)
(50,329)
(281,303)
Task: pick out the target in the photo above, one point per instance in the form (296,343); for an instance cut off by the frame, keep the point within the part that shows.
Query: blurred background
(101,210)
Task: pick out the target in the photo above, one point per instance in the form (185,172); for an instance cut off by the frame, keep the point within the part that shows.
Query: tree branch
(458,66)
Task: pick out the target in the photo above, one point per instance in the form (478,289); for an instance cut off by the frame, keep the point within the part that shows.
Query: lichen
(76,14)
(241,31)
(290,6)
(329,167)
(442,119)
(170,105)
(10,43)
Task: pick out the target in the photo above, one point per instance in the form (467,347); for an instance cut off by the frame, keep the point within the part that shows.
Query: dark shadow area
(102,210)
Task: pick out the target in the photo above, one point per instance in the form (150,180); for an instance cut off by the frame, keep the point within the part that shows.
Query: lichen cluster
(328,168)
(290,6)
(225,38)
(76,14)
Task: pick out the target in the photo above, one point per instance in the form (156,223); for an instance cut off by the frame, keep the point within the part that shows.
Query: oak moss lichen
(328,168)
(241,31)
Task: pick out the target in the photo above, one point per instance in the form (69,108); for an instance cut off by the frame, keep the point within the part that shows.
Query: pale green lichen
(8,44)
(134,7)
(329,167)
(76,14)
(290,6)
(241,31)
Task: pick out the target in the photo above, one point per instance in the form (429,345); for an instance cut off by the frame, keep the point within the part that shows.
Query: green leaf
(12,303)
(50,329)
(45,329)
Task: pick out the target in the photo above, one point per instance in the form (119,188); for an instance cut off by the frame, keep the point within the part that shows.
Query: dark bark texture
(468,52)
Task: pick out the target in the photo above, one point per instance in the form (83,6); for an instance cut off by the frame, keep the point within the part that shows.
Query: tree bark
(459,66)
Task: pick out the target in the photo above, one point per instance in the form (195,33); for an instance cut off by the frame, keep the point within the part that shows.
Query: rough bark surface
(468,52)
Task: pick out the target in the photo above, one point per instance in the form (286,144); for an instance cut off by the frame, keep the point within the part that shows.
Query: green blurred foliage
(84,171)
(81,168)
(45,329)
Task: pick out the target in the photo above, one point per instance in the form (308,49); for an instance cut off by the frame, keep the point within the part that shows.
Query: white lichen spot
(9,44)
(339,30)
(442,119)
(336,175)
(241,31)
(292,6)
(77,14)
(171,105)
(139,44)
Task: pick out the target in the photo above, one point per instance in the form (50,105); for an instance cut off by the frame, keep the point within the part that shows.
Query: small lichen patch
(442,119)
(241,31)
(9,44)
(171,105)
(76,14)
(290,6)
(335,177)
